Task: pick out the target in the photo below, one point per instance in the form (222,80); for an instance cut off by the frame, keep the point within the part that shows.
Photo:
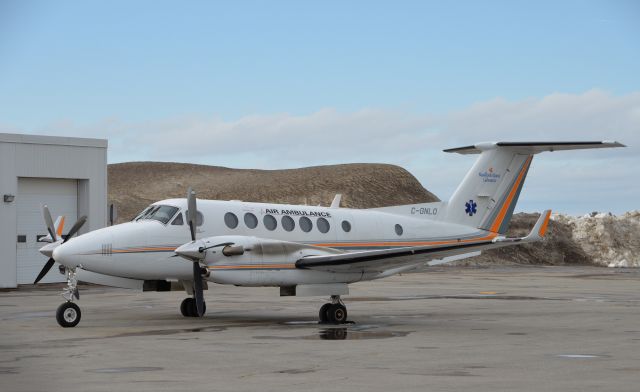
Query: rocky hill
(134,185)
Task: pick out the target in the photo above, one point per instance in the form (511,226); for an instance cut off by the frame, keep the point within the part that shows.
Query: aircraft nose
(62,255)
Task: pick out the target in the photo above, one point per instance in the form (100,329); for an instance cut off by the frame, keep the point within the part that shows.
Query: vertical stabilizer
(487,196)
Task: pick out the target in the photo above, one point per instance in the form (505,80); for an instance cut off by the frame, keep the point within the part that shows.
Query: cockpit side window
(178,221)
(160,213)
(163,214)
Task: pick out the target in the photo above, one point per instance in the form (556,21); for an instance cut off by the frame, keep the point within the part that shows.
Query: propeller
(49,222)
(197,273)
(74,229)
(44,270)
(48,249)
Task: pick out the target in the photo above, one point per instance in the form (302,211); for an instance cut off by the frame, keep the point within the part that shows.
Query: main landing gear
(68,314)
(188,307)
(333,312)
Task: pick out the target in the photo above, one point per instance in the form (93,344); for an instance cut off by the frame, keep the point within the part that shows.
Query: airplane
(185,244)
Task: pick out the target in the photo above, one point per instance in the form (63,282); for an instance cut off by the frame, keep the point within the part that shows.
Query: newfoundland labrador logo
(489,175)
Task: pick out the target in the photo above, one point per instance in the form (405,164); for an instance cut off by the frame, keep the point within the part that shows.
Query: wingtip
(545,223)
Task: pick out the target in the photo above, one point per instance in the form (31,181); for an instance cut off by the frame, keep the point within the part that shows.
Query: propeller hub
(191,250)
(47,250)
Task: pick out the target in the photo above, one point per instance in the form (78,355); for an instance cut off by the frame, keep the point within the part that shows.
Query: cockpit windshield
(160,213)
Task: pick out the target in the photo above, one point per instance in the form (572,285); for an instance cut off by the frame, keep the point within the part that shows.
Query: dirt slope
(134,185)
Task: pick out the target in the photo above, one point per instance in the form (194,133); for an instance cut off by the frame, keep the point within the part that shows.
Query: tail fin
(489,192)
(59,225)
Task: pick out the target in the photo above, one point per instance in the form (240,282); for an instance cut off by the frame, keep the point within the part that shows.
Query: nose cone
(65,255)
(47,250)
(190,250)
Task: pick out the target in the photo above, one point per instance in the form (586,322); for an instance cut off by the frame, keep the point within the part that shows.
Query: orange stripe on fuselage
(140,250)
(407,243)
(252,266)
(505,207)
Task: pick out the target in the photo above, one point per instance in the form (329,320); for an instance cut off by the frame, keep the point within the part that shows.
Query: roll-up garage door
(61,196)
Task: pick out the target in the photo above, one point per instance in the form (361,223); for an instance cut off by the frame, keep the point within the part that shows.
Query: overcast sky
(281,84)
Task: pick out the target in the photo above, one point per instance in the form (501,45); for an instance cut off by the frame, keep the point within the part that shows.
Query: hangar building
(67,174)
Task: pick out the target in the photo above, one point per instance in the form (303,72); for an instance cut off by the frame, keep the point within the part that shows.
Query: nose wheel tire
(188,307)
(333,313)
(68,315)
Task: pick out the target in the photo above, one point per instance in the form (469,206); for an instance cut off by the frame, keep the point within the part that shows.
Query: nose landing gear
(334,312)
(68,314)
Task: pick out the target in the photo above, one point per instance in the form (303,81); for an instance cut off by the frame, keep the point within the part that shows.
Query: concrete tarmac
(451,329)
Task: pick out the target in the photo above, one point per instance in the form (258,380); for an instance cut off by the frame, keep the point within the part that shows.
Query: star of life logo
(470,207)
(489,175)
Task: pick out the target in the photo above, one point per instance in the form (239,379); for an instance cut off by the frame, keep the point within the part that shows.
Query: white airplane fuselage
(144,248)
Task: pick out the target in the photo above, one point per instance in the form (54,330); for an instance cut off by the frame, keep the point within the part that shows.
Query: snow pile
(609,240)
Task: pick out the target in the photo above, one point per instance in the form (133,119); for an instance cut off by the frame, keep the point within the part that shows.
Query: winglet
(540,229)
(336,201)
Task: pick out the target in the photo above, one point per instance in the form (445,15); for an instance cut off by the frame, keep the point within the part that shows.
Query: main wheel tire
(68,315)
(192,308)
(184,307)
(322,314)
(337,314)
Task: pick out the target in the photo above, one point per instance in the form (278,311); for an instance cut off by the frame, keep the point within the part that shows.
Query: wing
(388,259)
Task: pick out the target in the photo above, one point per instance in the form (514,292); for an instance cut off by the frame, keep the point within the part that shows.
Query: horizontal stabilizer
(533,147)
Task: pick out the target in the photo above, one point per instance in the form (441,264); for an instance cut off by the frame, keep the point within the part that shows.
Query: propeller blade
(75,228)
(49,222)
(197,288)
(44,271)
(191,212)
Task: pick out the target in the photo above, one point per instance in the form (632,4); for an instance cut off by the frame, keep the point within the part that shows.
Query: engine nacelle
(246,251)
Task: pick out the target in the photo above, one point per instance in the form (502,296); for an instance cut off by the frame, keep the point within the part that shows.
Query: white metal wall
(61,196)
(28,156)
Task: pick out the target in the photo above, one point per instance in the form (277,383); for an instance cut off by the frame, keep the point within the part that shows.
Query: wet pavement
(503,328)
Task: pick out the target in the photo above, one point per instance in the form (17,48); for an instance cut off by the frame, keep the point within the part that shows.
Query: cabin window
(305,224)
(231,220)
(398,230)
(250,220)
(270,222)
(288,223)
(178,221)
(323,225)
(346,226)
